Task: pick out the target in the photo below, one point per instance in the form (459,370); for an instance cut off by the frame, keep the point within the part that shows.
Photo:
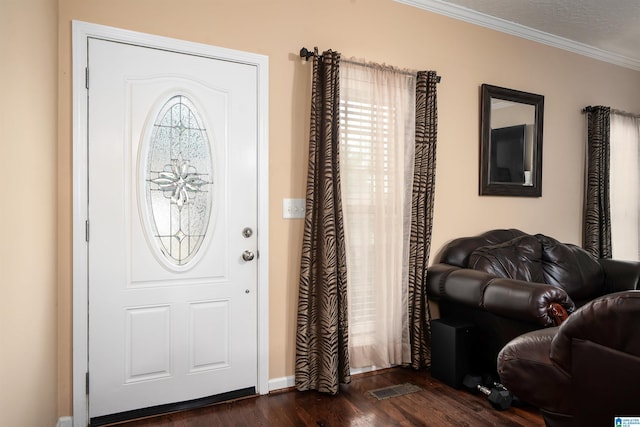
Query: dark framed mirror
(511,125)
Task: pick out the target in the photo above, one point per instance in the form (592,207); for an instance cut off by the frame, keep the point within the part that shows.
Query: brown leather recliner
(508,282)
(585,372)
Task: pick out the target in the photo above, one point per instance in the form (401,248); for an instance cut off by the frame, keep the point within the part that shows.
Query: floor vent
(394,391)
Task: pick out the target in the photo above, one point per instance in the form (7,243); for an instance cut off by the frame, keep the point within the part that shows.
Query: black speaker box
(451,346)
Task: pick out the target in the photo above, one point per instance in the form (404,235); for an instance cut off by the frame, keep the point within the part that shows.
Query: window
(377,119)
(624,184)
(176,173)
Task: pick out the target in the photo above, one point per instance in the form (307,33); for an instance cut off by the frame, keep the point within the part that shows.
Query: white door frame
(82,31)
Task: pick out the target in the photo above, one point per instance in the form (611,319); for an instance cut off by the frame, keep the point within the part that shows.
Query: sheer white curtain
(624,184)
(377,126)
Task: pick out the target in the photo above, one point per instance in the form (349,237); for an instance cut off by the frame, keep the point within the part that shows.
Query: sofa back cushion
(571,268)
(518,259)
(458,251)
(542,259)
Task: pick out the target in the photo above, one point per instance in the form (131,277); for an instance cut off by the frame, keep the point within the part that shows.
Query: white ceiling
(608,30)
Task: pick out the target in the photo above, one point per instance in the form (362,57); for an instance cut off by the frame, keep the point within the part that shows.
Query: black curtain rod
(306,54)
(613,111)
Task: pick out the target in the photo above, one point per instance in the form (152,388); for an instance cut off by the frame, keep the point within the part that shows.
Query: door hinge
(86,381)
(86,230)
(86,78)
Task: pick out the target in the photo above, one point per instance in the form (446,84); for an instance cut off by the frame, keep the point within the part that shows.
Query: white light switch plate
(293,208)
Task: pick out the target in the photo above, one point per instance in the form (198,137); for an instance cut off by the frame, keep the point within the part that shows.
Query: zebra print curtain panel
(322,355)
(422,217)
(597,217)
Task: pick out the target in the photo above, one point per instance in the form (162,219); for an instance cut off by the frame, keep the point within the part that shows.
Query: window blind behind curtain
(377,144)
(624,183)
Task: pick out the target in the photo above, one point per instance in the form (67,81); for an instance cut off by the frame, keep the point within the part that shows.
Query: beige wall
(378,30)
(28,123)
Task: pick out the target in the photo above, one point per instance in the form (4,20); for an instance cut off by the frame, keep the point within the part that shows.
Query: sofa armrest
(620,275)
(436,277)
(516,299)
(525,369)
(526,301)
(610,321)
(462,285)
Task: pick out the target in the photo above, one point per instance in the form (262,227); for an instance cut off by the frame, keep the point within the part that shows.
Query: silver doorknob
(248,255)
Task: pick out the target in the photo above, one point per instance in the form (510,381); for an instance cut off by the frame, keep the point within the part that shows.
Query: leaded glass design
(178,181)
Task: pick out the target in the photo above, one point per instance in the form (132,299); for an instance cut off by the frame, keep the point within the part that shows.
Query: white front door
(172,227)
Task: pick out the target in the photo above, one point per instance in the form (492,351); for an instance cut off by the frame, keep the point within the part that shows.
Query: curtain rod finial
(306,53)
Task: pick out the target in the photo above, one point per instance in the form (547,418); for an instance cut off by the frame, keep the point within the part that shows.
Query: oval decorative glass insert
(178,181)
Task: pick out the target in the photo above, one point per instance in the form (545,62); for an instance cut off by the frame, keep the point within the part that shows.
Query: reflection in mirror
(511,142)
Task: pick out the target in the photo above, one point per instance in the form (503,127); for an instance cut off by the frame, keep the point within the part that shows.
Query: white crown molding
(508,27)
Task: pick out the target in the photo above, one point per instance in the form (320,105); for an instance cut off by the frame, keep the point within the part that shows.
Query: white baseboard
(356,371)
(280,383)
(65,422)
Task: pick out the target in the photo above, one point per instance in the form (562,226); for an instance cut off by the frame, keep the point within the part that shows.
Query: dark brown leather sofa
(508,282)
(585,372)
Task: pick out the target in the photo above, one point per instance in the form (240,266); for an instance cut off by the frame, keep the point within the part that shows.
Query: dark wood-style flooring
(435,405)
